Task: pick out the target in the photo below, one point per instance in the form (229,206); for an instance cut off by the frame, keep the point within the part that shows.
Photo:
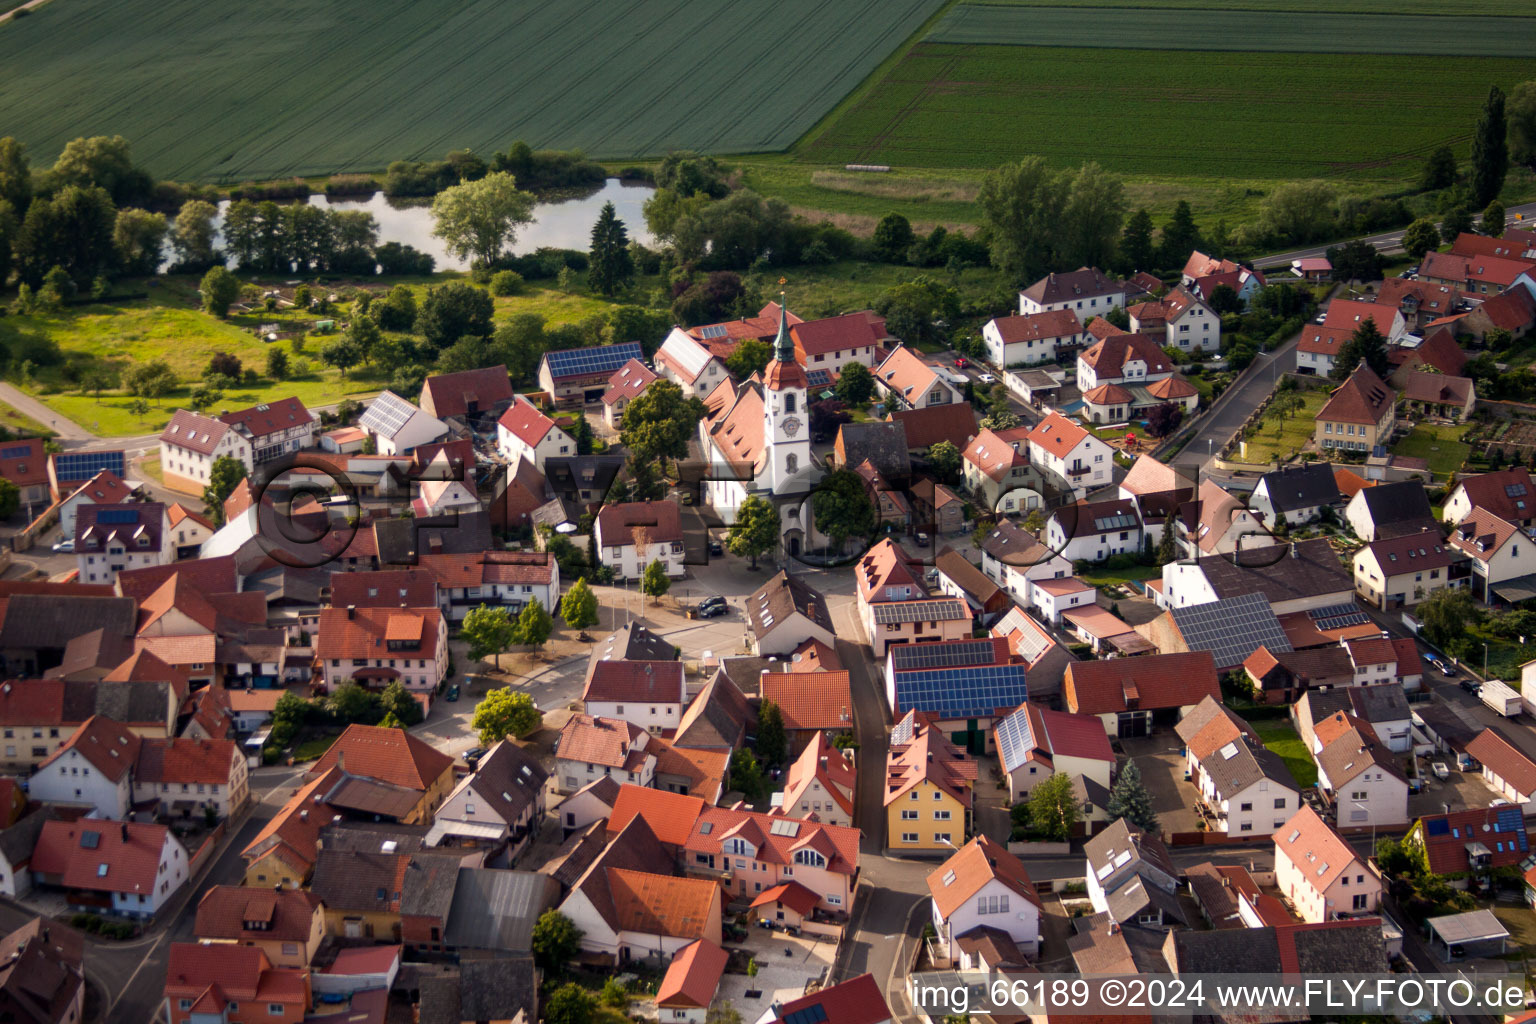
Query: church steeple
(783,345)
(783,372)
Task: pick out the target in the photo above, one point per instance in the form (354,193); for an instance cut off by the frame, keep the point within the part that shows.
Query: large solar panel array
(117,516)
(1014,739)
(387,414)
(1337,616)
(16,452)
(938,609)
(578,362)
(84,465)
(961,692)
(949,654)
(1104,524)
(1231,629)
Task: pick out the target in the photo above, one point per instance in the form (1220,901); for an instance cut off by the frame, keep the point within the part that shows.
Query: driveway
(1162,771)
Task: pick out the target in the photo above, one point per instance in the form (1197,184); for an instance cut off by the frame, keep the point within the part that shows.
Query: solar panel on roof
(577,362)
(1231,629)
(84,465)
(903,731)
(117,516)
(819,378)
(1511,819)
(1014,739)
(961,692)
(714,331)
(1115,522)
(955,654)
(1515,490)
(911,611)
(388,413)
(813,1014)
(16,452)
(1437,827)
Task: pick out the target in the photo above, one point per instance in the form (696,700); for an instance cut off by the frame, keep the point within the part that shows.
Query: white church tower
(786,426)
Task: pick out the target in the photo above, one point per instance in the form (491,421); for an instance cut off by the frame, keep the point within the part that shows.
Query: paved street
(1389,242)
(1234,407)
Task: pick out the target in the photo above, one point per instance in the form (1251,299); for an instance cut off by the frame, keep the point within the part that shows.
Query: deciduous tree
(505,712)
(747,774)
(1420,237)
(1022,206)
(944,459)
(1456,221)
(579,606)
(654,581)
(755,531)
(659,422)
(10,498)
(1519,110)
(15,175)
(223,477)
(855,384)
(1439,170)
(452,311)
(488,631)
(478,220)
(1053,808)
(341,352)
(220,289)
(556,941)
(1494,219)
(139,236)
(533,625)
(893,237)
(841,507)
(399,705)
(752,355)
(71,229)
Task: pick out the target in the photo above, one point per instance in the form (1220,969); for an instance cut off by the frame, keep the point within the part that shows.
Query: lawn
(1249,30)
(20,424)
(1295,429)
(1441,445)
(318,86)
(1280,736)
(1100,576)
(1241,115)
(312,749)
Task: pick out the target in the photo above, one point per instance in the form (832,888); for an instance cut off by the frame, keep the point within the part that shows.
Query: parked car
(961,362)
(716,548)
(921,537)
(1448,669)
(65,546)
(711,607)
(987,378)
(473,755)
(453,693)
(1440,770)
(1320,318)
(1471,685)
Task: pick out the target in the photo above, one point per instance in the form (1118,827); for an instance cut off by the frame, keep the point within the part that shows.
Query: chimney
(341,759)
(125,830)
(351,611)
(304,814)
(1114,928)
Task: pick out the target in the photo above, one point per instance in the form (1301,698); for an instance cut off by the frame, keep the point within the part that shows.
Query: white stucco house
(984,886)
(1320,872)
(631,535)
(523,432)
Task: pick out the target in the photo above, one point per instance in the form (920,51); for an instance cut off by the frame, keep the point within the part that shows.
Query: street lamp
(1485,661)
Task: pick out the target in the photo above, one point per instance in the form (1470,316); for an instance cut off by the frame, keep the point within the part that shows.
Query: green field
(297,87)
(1441,445)
(1237,115)
(1251,30)
(1510,8)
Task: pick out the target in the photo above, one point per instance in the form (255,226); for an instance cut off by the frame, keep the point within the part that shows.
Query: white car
(986,378)
(1440,770)
(65,546)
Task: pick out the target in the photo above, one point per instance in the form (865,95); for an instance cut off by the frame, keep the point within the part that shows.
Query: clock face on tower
(791,426)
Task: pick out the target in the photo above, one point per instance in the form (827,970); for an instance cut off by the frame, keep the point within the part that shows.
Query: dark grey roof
(569,475)
(1139,894)
(430,880)
(1384,702)
(438,988)
(1280,572)
(291,585)
(1216,898)
(1298,487)
(1248,763)
(496,909)
(18,841)
(1146,878)
(578,852)
(401,540)
(1318,950)
(1398,508)
(772,603)
(1445,723)
(1352,753)
(50,621)
(1227,951)
(1358,950)
(884,444)
(509,779)
(497,989)
(747,672)
(122,702)
(632,643)
(1125,950)
(717,719)
(1324,703)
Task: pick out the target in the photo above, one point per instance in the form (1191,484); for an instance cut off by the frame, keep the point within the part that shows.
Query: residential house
(700,773)
(386,766)
(809,702)
(1507,493)
(126,868)
(1131,696)
(1105,633)
(959,578)
(1499,551)
(523,432)
(955,423)
(24,463)
(1360,775)
(105,488)
(997,473)
(40,715)
(1016,560)
(1318,349)
(1247,788)
(1404,570)
(928,788)
(1507,769)
(688,988)
(579,376)
(1438,394)
(111,538)
(1086,291)
(1513,311)
(188,529)
(468,394)
(1199,266)
(1477,277)
(378,646)
(1379,660)
(273,429)
(189,446)
(631,535)
(982,885)
(1348,314)
(1230,630)
(1300,576)
(1439,352)
(378,882)
(892,509)
(1179,319)
(718,717)
(886,574)
(1124,359)
(1382,706)
(819,785)
(1035,742)
(1393,510)
(883,444)
(1420,302)
(1043,657)
(233,985)
(1359,414)
(191,776)
(857,1001)
(627,384)
(1320,873)
(1216,522)
(1471,842)
(1132,879)
(594,747)
(499,805)
(689,364)
(398,427)
(1296,494)
(784,613)
(17,843)
(287,924)
(650,694)
(1031,338)
(282,856)
(1357,946)
(93,770)
(960,686)
(42,976)
(1075,458)
(506,579)
(909,382)
(833,342)
(1092,531)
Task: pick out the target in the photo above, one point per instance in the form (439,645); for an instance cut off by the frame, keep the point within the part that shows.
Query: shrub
(506,282)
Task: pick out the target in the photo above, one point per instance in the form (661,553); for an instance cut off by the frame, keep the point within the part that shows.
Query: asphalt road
(1234,407)
(1386,242)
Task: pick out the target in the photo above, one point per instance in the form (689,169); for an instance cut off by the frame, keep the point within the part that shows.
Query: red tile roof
(1445,838)
(268,418)
(186,760)
(928,757)
(364,633)
(1055,323)
(194,432)
(108,746)
(294,831)
(605,741)
(857,1001)
(1514,310)
(526,423)
(810,700)
(1057,435)
(449,394)
(208,575)
(905,373)
(1492,270)
(1437,388)
(107,488)
(974,865)
(995,457)
(284,915)
(1324,341)
(821,761)
(1108,357)
(24,462)
(693,976)
(793,895)
(886,565)
(1363,398)
(838,333)
(617,523)
(391,756)
(413,587)
(130,850)
(663,904)
(671,816)
(1491,492)
(954,422)
(637,681)
(1347,314)
(1150,682)
(1481,533)
(1493,749)
(1319,854)
(776,837)
(628,382)
(1171,389)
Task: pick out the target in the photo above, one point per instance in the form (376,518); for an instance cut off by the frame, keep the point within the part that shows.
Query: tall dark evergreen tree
(1180,236)
(1136,250)
(1130,800)
(611,267)
(1490,150)
(1366,346)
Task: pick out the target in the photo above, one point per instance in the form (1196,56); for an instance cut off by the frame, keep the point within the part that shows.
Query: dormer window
(810,858)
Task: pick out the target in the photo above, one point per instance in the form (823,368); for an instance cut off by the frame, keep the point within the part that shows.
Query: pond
(561,223)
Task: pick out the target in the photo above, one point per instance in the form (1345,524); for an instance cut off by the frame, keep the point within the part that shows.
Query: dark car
(716,548)
(453,692)
(1471,685)
(473,755)
(711,607)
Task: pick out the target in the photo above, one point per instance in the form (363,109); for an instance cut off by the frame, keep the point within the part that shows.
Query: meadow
(1509,8)
(1142,113)
(220,92)
(1249,30)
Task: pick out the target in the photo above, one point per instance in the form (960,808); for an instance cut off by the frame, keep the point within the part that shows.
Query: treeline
(535,170)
